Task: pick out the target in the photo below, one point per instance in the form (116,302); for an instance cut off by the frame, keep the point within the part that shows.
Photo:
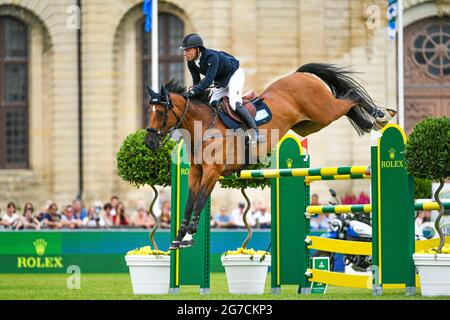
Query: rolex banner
(95,251)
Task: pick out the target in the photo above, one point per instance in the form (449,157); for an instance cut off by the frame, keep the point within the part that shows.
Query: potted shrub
(149,270)
(138,165)
(427,156)
(246,269)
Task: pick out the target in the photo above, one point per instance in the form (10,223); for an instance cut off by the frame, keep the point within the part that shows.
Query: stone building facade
(271,38)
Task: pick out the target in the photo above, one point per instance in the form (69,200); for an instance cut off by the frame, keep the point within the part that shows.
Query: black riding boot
(243,113)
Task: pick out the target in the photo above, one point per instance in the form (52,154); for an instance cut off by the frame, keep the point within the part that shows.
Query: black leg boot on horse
(245,115)
(175,244)
(190,203)
(188,239)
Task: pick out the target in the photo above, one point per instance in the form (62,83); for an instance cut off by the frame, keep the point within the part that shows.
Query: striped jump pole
(299,172)
(310,179)
(430,206)
(354,208)
(366,208)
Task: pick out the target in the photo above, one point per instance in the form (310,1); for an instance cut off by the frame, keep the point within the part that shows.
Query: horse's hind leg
(209,179)
(194,186)
(355,96)
(368,111)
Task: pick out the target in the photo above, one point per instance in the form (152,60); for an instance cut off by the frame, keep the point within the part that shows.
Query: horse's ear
(150,92)
(165,96)
(163,93)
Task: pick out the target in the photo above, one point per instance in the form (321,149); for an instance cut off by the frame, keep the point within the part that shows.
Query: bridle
(168,107)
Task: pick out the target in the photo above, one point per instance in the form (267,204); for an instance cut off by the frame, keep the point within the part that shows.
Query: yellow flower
(251,252)
(445,250)
(147,251)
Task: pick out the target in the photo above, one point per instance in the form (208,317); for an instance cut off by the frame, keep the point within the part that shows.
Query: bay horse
(305,101)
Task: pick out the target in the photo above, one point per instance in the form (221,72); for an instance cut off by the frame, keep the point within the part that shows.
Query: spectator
(142,219)
(422,217)
(315,200)
(114,202)
(164,219)
(223,218)
(320,221)
(140,204)
(107,216)
(237,217)
(212,222)
(93,218)
(79,211)
(262,218)
(52,219)
(120,219)
(325,220)
(69,220)
(314,221)
(256,205)
(43,211)
(10,219)
(28,206)
(28,221)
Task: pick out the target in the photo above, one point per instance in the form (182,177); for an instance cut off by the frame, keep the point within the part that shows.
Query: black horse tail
(343,85)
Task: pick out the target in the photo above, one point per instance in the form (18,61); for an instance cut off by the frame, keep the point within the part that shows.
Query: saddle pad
(263,115)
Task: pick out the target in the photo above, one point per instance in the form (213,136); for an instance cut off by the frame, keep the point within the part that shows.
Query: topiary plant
(427,156)
(140,166)
(422,188)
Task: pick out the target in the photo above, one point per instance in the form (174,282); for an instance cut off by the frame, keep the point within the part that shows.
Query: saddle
(254,104)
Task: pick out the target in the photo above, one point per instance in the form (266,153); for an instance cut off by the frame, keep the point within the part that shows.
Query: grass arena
(182,107)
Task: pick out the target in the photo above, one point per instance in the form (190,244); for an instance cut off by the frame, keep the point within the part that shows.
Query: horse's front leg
(195,177)
(210,176)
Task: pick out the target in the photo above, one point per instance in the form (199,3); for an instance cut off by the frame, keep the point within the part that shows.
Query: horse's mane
(175,86)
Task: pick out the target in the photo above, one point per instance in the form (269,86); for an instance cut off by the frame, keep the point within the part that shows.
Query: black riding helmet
(192,40)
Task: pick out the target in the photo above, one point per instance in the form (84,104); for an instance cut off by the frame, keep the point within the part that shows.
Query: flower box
(150,274)
(246,275)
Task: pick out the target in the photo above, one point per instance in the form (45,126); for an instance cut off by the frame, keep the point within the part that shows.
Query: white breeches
(233,90)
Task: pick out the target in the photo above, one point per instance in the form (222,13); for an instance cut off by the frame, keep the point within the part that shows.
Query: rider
(220,69)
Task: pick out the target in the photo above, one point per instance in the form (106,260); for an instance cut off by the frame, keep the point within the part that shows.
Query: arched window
(431,47)
(13,94)
(171,66)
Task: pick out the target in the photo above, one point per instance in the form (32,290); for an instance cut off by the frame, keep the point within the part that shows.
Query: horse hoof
(175,245)
(186,244)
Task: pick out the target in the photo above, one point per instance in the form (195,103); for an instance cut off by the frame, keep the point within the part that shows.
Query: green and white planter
(150,274)
(246,276)
(434,272)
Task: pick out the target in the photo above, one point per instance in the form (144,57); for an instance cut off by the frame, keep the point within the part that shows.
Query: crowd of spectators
(258,217)
(112,214)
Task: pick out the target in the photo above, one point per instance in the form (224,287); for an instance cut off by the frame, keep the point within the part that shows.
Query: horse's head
(162,117)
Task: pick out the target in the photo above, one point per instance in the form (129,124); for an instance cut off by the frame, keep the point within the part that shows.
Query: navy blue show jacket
(216,66)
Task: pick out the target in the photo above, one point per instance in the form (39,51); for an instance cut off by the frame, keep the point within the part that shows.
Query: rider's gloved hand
(188,94)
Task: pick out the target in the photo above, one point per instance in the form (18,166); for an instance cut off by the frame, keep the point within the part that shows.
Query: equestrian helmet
(192,40)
